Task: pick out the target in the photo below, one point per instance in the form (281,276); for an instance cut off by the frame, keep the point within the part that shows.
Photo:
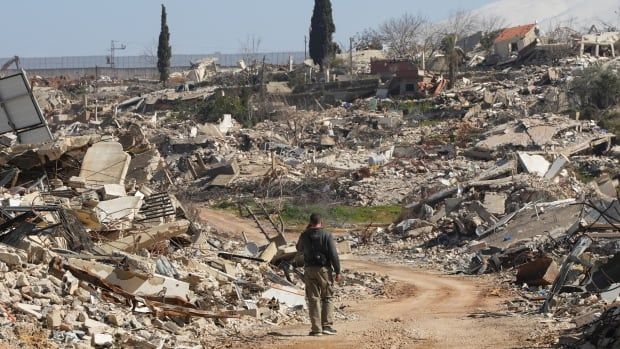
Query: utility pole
(113,48)
(305,47)
(351,57)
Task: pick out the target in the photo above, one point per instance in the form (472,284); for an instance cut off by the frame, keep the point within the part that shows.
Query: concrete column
(581,49)
(613,50)
(596,50)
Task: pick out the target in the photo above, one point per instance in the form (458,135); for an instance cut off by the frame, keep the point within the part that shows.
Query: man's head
(315,221)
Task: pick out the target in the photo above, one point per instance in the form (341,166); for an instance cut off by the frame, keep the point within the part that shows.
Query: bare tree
(250,47)
(403,35)
(432,36)
(459,24)
(462,23)
(610,25)
(150,53)
(491,23)
(562,31)
(452,56)
(368,39)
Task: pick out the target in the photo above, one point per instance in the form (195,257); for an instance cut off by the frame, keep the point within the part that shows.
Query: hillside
(551,12)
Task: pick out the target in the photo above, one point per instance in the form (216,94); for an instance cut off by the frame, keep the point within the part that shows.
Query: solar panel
(19,111)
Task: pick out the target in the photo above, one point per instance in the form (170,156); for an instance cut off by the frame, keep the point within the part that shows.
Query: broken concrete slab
(269,252)
(452,204)
(53,318)
(146,286)
(417,232)
(534,164)
(140,239)
(227,168)
(143,166)
(77,182)
(105,163)
(482,212)
(94,326)
(100,340)
(222,180)
(55,150)
(327,141)
(606,187)
(556,221)
(560,162)
(542,134)
(113,191)
(495,203)
(11,259)
(593,142)
(120,209)
(30,309)
(290,296)
(511,139)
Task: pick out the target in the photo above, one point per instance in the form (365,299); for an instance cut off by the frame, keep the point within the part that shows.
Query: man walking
(320,260)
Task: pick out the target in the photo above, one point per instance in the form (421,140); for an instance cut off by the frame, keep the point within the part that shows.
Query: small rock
(102,340)
(53,318)
(30,309)
(10,280)
(94,326)
(22,281)
(83,316)
(172,327)
(116,319)
(10,259)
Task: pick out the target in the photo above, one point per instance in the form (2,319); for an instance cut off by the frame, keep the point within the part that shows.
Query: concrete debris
(102,340)
(111,234)
(141,239)
(105,163)
(535,164)
(556,167)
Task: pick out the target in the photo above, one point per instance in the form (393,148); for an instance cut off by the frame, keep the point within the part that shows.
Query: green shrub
(596,88)
(221,105)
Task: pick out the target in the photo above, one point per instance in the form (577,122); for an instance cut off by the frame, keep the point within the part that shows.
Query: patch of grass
(297,215)
(225,205)
(584,175)
(610,120)
(339,214)
(429,122)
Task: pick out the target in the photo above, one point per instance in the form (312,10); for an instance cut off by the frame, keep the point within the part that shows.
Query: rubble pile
(602,333)
(495,176)
(96,249)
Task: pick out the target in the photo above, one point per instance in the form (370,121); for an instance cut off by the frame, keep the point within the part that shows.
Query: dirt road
(427,310)
(231,224)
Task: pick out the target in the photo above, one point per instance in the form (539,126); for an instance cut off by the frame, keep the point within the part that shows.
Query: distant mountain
(550,12)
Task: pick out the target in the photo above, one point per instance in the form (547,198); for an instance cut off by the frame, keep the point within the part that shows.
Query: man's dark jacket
(315,240)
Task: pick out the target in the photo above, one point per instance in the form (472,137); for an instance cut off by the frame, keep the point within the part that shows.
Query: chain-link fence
(122,62)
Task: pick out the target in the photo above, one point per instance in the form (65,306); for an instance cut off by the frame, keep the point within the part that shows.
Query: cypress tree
(164,50)
(321,30)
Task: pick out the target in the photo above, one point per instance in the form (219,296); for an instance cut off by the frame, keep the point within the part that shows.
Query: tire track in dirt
(428,310)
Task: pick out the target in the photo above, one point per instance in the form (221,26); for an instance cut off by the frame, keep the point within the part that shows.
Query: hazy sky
(36,28)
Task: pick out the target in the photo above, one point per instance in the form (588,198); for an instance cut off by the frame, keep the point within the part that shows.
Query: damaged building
(512,40)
